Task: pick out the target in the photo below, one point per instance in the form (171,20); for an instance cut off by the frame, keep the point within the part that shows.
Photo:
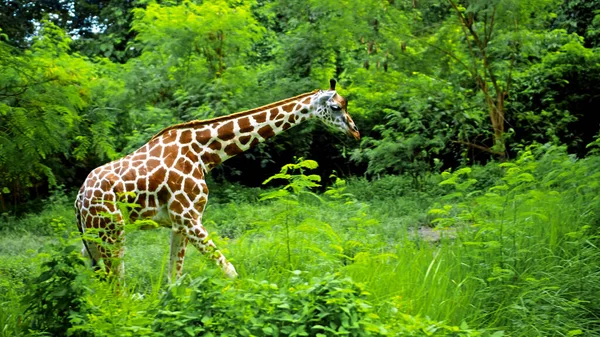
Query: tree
(581,17)
(493,36)
(99,27)
(42,94)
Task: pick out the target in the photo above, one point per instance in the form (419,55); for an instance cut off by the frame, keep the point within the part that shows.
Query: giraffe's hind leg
(176,254)
(107,246)
(91,252)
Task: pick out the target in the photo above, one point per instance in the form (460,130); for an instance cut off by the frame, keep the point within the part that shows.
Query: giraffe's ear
(332,84)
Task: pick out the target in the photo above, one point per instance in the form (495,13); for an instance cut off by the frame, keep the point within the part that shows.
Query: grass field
(504,250)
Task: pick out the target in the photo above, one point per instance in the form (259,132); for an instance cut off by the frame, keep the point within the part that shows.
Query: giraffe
(165,177)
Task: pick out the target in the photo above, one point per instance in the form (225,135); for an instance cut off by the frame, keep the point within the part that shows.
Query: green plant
(521,236)
(56,299)
(211,306)
(297,185)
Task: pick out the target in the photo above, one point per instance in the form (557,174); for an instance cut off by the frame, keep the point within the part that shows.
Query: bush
(210,306)
(57,296)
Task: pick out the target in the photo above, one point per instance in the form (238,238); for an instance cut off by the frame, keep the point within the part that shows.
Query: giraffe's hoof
(230,270)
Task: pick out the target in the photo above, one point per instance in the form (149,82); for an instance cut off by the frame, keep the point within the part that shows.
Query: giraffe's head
(331,109)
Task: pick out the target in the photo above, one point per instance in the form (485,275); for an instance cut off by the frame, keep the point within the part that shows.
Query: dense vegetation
(469,208)
(514,252)
(432,84)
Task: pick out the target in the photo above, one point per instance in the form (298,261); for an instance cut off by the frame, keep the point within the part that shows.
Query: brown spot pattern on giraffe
(244,125)
(186,137)
(174,179)
(163,194)
(232,149)
(274,114)
(215,145)
(151,201)
(142,184)
(183,200)
(266,131)
(254,142)
(184,165)
(190,187)
(176,207)
(260,117)
(288,107)
(119,187)
(244,139)
(152,163)
(226,131)
(170,154)
(211,159)
(170,137)
(157,178)
(200,204)
(203,136)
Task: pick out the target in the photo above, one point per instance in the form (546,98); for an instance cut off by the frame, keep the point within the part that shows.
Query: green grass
(518,256)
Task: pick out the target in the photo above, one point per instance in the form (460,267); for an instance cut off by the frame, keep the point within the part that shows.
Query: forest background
(470,207)
(431,84)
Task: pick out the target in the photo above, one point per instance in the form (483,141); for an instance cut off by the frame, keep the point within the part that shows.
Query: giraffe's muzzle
(353,130)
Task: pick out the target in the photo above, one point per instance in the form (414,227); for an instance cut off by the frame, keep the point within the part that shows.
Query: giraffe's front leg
(198,236)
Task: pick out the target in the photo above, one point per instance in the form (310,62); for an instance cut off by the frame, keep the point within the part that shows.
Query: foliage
(327,306)
(42,93)
(553,87)
(580,17)
(513,251)
(416,135)
(540,211)
(501,248)
(56,299)
(297,183)
(431,84)
(37,114)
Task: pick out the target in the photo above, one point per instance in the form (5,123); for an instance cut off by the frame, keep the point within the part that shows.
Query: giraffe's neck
(216,141)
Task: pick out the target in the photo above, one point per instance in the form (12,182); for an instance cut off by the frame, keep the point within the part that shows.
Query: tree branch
(489,36)
(482,47)
(4,91)
(472,71)
(479,147)
(463,25)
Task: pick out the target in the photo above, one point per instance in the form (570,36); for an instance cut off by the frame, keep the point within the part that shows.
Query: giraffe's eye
(336,107)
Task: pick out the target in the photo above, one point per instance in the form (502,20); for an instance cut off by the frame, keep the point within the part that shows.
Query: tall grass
(525,259)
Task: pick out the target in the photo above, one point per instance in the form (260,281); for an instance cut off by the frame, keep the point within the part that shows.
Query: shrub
(57,296)
(210,306)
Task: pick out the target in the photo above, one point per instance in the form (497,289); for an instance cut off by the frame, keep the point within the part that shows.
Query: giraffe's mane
(197,123)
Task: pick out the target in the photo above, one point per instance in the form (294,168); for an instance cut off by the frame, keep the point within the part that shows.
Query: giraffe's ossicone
(165,177)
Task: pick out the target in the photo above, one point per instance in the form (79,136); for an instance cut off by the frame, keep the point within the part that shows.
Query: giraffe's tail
(86,249)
